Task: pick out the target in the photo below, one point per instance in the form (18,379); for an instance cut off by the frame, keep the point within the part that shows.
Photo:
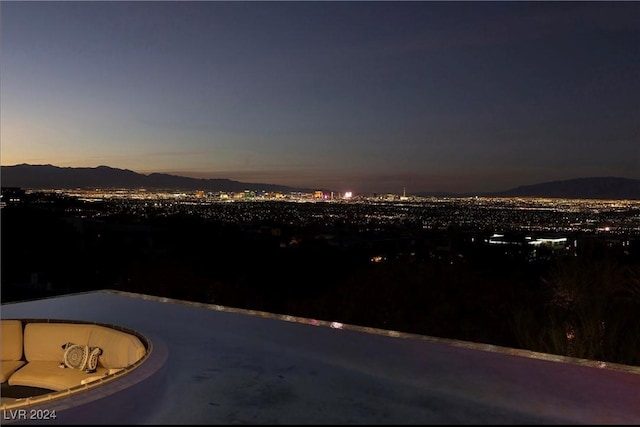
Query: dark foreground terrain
(443,280)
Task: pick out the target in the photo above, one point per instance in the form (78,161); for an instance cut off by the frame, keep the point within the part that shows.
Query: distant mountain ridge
(614,188)
(584,188)
(49,177)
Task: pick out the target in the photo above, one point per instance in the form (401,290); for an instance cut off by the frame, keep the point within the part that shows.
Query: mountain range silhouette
(39,177)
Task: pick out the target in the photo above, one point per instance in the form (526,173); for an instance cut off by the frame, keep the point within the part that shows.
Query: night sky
(359,96)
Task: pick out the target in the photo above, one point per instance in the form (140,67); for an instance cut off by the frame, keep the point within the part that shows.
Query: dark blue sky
(360,96)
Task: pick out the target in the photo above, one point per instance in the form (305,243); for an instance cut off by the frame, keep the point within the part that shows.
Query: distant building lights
(348,195)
